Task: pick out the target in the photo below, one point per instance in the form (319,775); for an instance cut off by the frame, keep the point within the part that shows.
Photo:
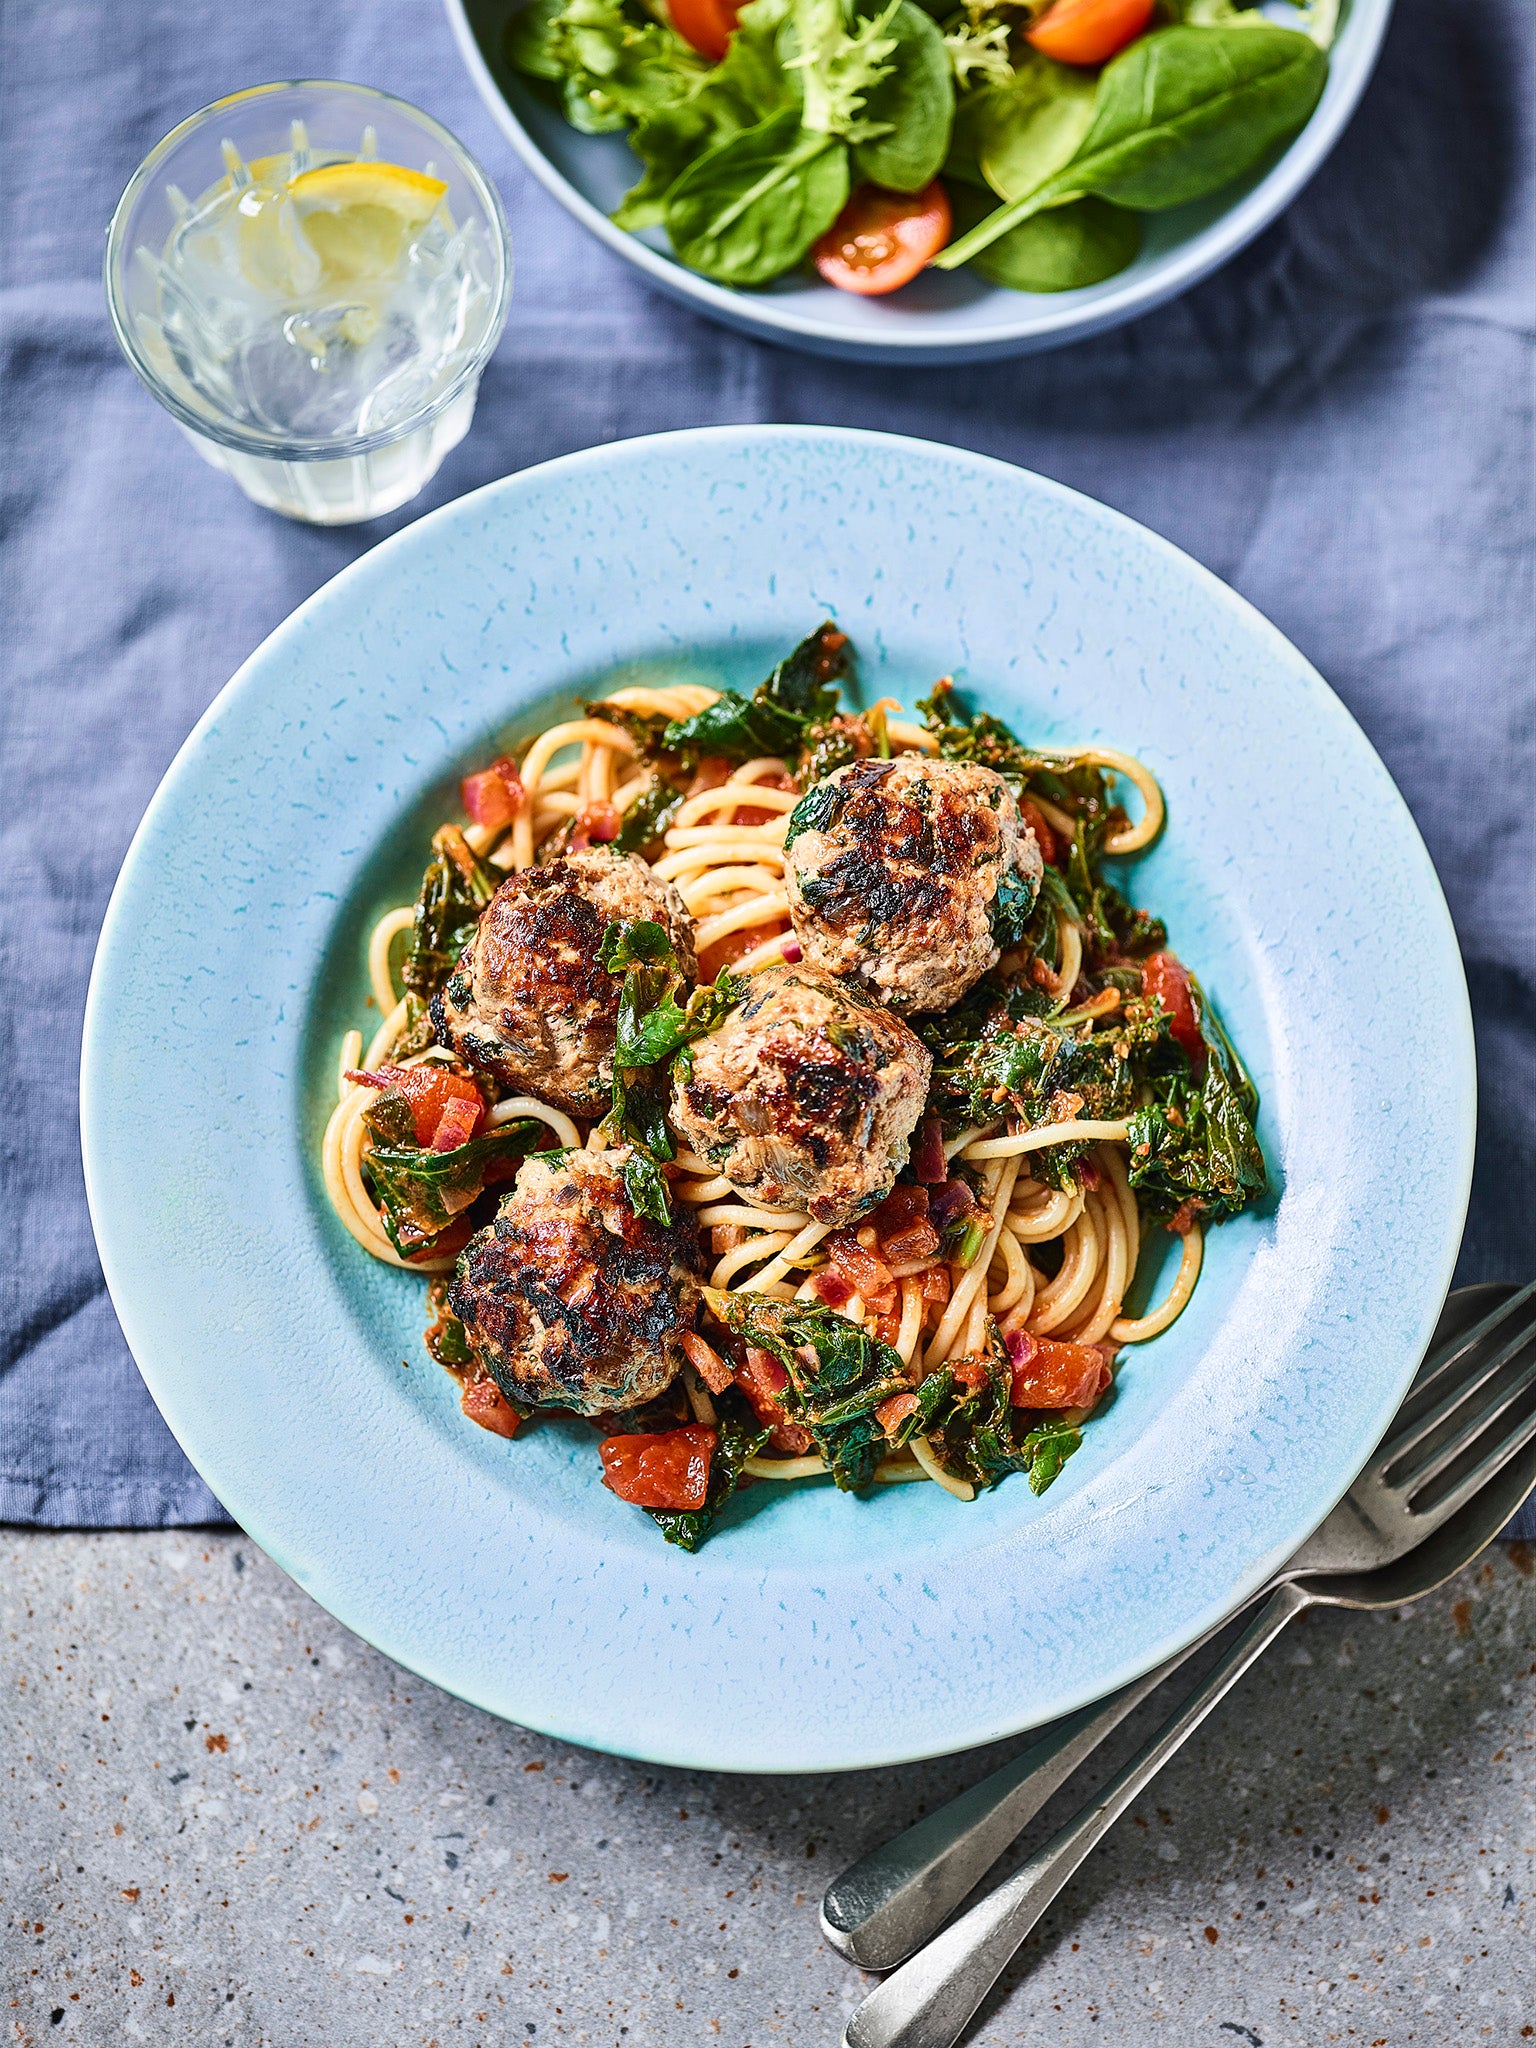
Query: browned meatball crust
(530,1002)
(571,1300)
(806,1096)
(893,872)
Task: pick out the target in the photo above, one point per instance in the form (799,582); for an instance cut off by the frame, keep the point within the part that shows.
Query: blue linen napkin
(1340,424)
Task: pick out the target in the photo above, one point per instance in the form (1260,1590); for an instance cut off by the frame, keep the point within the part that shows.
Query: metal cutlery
(1467,1416)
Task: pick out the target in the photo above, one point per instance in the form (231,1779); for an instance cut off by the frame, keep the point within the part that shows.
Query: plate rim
(427,1660)
(1053,324)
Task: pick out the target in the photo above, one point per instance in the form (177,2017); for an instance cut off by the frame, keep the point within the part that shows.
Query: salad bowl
(940,317)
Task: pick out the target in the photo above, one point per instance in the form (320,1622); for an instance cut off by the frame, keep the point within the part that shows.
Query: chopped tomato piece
(597,824)
(918,1241)
(456,1125)
(735,946)
(854,1263)
(712,772)
(881,240)
(893,1412)
(762,1379)
(1048,1373)
(901,1207)
(429,1090)
(706,1362)
(707,24)
(1165,980)
(669,1471)
(970,1372)
(1045,838)
(494,797)
(484,1402)
(1089,31)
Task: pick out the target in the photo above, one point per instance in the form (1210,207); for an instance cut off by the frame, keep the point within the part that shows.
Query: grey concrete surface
(228,1821)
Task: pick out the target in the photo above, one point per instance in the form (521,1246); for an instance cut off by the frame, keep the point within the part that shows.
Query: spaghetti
(1055,1232)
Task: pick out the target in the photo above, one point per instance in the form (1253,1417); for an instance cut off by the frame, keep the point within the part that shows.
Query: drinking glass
(339,405)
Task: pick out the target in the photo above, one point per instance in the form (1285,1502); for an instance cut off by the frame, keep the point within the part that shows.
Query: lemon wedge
(359,217)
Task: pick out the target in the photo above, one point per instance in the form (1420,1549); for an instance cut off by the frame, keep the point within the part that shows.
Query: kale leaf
(1012,1038)
(1193,1145)
(738,1436)
(800,693)
(420,1191)
(648,817)
(838,1376)
(454,890)
(977,1437)
(653,1028)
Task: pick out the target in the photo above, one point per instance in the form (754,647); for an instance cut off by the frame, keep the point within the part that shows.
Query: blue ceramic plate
(939,318)
(813,1631)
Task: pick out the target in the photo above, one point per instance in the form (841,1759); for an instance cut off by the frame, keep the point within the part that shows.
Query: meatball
(530,1003)
(571,1300)
(806,1096)
(894,873)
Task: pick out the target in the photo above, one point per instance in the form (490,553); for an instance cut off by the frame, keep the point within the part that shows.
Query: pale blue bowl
(939,318)
(813,1631)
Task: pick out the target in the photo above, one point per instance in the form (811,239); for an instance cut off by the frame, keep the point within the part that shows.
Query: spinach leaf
(1193,1145)
(1047,1448)
(746,86)
(454,890)
(973,114)
(1034,124)
(653,1026)
(750,208)
(838,1376)
(444,1336)
(738,1436)
(914,103)
(1012,908)
(648,817)
(1177,115)
(801,692)
(1062,250)
(420,1192)
(977,1436)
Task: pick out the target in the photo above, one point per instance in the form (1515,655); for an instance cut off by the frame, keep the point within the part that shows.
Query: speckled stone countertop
(228,1821)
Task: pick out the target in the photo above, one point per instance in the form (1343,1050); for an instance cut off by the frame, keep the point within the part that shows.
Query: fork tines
(1473,1408)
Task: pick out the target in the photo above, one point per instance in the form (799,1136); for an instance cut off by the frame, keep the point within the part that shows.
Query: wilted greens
(421,1192)
(839,1376)
(653,1028)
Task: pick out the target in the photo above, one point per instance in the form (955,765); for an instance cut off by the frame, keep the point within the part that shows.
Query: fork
(1456,1464)
(888,1903)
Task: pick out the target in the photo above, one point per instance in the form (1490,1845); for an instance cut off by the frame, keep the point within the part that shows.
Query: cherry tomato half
(881,240)
(1164,980)
(707,24)
(1089,31)
(668,1471)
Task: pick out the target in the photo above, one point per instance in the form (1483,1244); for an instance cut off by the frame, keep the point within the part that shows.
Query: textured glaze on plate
(941,318)
(812,1631)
